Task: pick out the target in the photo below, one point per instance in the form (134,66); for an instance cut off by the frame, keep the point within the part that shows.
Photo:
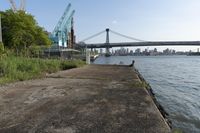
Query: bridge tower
(107,42)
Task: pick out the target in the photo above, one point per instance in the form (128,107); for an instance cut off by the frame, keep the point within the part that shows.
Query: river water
(175,81)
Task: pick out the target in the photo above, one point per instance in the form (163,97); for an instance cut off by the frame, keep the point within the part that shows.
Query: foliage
(19,68)
(71,64)
(1,48)
(35,51)
(2,51)
(21,31)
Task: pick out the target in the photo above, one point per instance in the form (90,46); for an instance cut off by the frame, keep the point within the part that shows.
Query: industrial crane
(62,34)
(14,7)
(23,5)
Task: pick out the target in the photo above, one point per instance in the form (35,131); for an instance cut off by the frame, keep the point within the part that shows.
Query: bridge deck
(92,99)
(141,44)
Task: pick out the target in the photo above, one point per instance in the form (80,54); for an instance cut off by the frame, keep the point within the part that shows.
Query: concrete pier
(92,99)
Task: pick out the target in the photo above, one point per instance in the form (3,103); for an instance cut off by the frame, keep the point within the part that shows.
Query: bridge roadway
(139,44)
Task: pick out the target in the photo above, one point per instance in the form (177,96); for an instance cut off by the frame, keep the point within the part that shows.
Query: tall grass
(19,68)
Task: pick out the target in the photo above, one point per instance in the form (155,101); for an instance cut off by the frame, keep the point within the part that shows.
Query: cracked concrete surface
(92,99)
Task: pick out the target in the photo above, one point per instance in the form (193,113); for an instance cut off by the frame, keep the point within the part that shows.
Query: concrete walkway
(92,99)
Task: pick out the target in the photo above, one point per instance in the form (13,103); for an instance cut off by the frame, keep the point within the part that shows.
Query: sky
(151,20)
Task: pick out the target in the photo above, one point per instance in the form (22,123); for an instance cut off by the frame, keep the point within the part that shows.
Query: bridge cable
(93,36)
(132,38)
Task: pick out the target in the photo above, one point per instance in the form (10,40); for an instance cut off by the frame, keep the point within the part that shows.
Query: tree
(21,31)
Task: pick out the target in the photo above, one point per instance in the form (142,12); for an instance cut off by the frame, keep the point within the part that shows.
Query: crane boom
(65,24)
(61,19)
(23,5)
(13,5)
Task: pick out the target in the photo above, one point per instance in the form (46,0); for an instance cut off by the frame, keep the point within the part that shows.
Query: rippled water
(176,83)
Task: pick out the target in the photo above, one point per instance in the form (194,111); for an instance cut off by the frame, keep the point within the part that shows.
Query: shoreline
(152,94)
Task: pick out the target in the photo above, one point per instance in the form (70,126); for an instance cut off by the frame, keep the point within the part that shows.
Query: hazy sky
(152,20)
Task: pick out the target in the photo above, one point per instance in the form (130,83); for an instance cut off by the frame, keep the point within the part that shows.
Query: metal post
(107,41)
(88,57)
(0,30)
(87,53)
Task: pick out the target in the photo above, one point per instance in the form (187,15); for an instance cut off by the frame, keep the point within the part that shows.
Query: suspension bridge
(136,42)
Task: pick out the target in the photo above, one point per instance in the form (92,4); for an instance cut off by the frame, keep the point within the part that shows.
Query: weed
(14,68)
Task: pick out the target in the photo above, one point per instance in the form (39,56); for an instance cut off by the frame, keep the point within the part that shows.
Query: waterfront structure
(92,99)
(63,34)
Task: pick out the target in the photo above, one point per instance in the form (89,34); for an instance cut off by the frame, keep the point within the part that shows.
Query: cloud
(114,22)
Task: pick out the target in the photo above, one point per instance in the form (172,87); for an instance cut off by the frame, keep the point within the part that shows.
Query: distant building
(173,51)
(131,52)
(155,50)
(101,51)
(138,51)
(166,51)
(127,51)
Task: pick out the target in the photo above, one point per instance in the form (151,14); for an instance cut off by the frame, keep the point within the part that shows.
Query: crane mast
(14,7)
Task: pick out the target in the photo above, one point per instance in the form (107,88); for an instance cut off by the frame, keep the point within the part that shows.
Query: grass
(177,131)
(142,84)
(19,68)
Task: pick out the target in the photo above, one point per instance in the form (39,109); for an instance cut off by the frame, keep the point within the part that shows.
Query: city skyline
(147,51)
(151,20)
